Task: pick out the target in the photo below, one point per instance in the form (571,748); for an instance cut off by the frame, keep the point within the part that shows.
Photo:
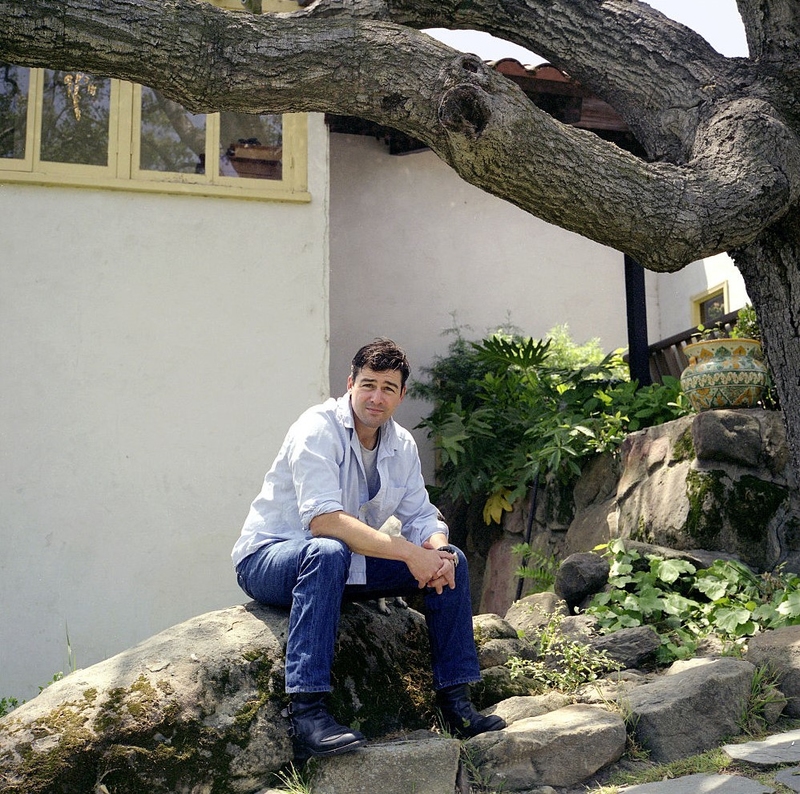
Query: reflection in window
(251,146)
(712,308)
(75,118)
(172,139)
(14,84)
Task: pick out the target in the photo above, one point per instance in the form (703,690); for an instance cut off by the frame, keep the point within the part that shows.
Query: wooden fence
(667,356)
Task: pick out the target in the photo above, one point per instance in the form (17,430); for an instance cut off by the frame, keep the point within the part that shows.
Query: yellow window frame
(699,299)
(121,171)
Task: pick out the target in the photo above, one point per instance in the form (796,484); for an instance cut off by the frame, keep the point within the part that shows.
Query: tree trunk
(771,269)
(723,166)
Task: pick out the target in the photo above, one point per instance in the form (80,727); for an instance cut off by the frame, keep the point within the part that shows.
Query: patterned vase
(724,373)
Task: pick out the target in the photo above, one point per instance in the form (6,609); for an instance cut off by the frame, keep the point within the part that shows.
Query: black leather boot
(459,715)
(314,731)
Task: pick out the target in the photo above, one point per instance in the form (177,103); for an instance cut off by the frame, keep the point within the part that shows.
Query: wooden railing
(667,356)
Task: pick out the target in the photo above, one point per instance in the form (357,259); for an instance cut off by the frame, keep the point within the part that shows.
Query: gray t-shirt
(369,457)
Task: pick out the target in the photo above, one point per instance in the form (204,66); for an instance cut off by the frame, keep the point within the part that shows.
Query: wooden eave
(545,85)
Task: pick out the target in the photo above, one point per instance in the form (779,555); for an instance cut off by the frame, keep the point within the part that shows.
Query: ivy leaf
(670,570)
(712,587)
(790,607)
(729,619)
(619,568)
(650,600)
(766,614)
(676,604)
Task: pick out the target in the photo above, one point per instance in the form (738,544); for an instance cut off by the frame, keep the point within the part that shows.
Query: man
(311,537)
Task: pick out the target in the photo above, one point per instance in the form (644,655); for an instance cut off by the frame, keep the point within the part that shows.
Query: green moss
(752,505)
(683,448)
(269,687)
(403,696)
(110,717)
(133,739)
(480,637)
(705,491)
(744,507)
(66,728)
(643,533)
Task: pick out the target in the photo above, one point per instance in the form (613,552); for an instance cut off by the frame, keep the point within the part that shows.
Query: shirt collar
(344,410)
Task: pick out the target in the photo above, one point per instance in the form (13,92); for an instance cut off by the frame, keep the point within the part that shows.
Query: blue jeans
(309,576)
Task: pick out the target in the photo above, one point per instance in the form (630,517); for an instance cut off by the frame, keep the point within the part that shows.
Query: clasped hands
(435,570)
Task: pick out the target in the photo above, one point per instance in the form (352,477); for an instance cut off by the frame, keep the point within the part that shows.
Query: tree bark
(736,163)
(771,269)
(772,28)
(721,134)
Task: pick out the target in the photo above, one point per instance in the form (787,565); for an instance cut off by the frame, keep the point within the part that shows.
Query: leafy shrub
(684,605)
(561,663)
(746,324)
(509,406)
(7,705)
(539,570)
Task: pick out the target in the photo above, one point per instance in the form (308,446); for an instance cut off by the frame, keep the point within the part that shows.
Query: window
(73,128)
(710,306)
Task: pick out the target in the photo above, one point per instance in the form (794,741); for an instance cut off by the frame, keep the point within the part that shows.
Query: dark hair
(381,355)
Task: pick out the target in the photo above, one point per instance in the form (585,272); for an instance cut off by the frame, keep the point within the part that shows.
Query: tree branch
(658,74)
(772,28)
(744,173)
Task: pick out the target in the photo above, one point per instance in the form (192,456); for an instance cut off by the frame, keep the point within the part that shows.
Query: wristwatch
(450,550)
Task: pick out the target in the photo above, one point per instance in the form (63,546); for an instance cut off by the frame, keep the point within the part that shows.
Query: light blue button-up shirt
(319,470)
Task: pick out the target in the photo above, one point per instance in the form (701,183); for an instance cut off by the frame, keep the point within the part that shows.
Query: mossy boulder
(197,707)
(734,494)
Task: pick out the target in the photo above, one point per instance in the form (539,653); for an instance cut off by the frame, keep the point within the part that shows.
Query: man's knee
(327,553)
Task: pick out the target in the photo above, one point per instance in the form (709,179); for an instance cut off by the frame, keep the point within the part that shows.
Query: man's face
(375,396)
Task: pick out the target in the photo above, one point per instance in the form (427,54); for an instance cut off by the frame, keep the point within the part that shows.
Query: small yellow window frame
(721,290)
(121,171)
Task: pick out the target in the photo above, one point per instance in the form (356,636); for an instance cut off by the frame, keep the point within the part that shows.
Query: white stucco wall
(412,244)
(674,292)
(153,350)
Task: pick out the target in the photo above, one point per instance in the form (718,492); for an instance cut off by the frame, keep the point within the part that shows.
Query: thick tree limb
(772,28)
(626,52)
(743,174)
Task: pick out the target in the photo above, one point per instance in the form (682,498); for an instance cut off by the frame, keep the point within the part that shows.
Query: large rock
(691,709)
(780,649)
(197,707)
(719,481)
(629,647)
(580,576)
(595,496)
(530,614)
(713,485)
(427,766)
(196,710)
(499,583)
(559,748)
(514,709)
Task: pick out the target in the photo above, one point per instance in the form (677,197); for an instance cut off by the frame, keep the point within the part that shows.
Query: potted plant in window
(726,370)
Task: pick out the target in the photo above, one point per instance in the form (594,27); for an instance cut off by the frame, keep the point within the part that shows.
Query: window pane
(14,83)
(171,138)
(75,118)
(251,146)
(712,308)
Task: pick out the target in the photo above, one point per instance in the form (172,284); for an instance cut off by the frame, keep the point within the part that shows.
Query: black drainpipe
(528,531)
(636,304)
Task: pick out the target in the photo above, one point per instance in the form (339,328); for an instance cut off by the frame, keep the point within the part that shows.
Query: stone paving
(781,748)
